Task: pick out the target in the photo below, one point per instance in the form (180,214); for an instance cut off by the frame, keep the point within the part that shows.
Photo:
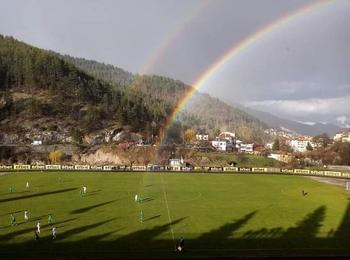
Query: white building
(246,148)
(299,145)
(202,137)
(176,162)
(338,137)
(238,143)
(37,142)
(220,145)
(231,137)
(225,141)
(343,137)
(269,145)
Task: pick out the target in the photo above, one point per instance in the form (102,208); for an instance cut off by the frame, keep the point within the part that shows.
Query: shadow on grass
(308,227)
(14,212)
(144,200)
(342,234)
(226,240)
(86,209)
(151,218)
(102,236)
(228,229)
(24,191)
(38,195)
(27,230)
(93,192)
(78,230)
(14,192)
(34,219)
(146,238)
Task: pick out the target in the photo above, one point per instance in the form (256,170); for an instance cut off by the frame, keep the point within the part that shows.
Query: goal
(347,185)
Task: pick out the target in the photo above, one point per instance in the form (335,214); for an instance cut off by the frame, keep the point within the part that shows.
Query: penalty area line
(167,207)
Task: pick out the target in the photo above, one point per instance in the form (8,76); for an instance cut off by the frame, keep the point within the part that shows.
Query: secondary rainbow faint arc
(235,50)
(172,36)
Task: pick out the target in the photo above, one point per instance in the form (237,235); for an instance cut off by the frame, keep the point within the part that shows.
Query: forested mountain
(37,86)
(161,93)
(213,114)
(43,89)
(100,70)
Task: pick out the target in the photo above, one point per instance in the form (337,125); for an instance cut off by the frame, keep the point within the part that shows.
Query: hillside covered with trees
(214,114)
(203,112)
(109,73)
(39,90)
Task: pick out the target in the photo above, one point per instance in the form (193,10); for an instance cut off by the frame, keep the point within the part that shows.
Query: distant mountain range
(297,127)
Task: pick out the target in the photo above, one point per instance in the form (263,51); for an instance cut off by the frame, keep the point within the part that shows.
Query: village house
(202,137)
(246,148)
(37,142)
(343,137)
(269,145)
(227,141)
(222,145)
(231,137)
(224,142)
(299,144)
(176,162)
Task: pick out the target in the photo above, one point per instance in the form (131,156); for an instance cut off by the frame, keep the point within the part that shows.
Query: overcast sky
(299,71)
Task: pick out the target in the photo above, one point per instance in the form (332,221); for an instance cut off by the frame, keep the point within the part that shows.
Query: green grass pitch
(216,214)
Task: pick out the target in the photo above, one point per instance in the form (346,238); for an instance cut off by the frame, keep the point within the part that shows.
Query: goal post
(347,185)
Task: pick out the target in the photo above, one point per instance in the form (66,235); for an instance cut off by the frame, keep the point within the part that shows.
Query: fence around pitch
(141,168)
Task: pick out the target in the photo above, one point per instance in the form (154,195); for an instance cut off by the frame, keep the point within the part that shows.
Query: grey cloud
(301,110)
(304,60)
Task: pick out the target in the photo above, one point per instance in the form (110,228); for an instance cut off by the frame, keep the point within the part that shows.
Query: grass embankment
(241,160)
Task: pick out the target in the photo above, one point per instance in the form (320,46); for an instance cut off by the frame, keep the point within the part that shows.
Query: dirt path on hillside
(332,181)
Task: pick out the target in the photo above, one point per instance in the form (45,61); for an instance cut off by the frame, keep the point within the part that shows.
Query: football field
(216,214)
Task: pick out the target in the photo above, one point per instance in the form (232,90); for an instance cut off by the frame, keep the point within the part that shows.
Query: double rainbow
(235,50)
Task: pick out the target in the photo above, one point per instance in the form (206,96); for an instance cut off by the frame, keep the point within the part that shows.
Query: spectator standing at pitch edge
(49,219)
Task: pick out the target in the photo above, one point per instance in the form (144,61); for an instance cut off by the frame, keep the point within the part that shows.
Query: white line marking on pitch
(167,207)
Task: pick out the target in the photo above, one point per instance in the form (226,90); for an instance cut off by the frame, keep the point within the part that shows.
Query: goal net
(347,185)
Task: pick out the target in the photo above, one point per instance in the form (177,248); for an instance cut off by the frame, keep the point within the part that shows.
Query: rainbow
(170,38)
(234,51)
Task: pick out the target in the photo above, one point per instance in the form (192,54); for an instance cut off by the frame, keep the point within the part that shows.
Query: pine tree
(309,147)
(276,145)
